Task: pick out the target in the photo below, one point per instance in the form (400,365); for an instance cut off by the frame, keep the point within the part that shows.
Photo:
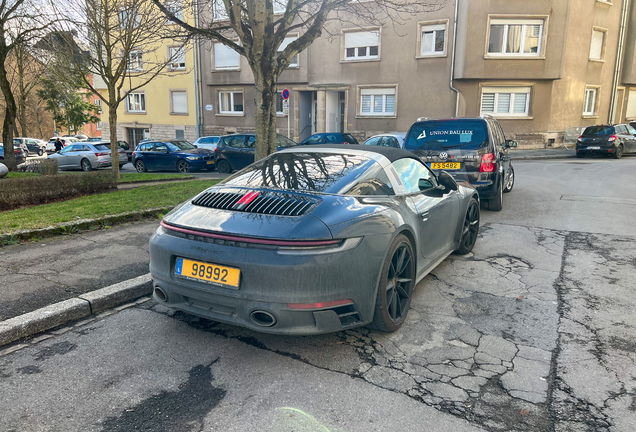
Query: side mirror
(511,144)
(195,146)
(447,180)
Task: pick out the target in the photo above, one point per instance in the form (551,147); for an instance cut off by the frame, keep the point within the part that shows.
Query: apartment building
(538,66)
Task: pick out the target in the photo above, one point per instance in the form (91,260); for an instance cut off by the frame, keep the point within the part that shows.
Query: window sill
(178,70)
(426,56)
(179,114)
(588,116)
(362,116)
(296,67)
(361,60)
(596,60)
(513,57)
(223,114)
(238,69)
(135,112)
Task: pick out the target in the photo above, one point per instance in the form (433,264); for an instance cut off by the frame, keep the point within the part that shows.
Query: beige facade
(539,66)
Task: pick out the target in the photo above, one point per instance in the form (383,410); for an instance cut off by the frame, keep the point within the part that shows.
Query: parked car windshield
(599,130)
(467,134)
(179,145)
(283,142)
(315,172)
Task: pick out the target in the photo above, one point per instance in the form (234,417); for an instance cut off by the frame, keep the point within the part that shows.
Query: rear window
(445,134)
(101,147)
(599,130)
(315,172)
(350,139)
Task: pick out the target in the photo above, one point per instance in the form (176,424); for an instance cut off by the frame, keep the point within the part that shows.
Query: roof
(391,153)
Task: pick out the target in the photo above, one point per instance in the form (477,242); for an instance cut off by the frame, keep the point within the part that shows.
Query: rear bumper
(269,282)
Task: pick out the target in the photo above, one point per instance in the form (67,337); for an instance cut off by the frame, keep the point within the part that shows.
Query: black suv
(234,152)
(609,140)
(473,150)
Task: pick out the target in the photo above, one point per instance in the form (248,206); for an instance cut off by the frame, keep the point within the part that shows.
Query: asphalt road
(534,331)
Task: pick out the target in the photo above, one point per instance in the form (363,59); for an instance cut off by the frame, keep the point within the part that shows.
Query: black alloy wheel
(619,152)
(470,229)
(183,166)
(223,166)
(40,152)
(86,165)
(511,180)
(396,287)
(140,166)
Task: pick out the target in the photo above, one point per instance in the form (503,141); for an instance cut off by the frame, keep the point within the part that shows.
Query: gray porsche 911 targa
(313,240)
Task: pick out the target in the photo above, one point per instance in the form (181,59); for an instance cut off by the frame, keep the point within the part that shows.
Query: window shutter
(378,91)
(390,104)
(503,103)
(225,57)
(488,103)
(596,49)
(366,103)
(519,106)
(179,102)
(362,39)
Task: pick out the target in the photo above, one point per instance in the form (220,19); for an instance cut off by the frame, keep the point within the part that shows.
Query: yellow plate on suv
(206,272)
(445,165)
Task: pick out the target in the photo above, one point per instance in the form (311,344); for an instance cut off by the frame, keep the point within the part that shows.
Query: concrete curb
(74,309)
(67,227)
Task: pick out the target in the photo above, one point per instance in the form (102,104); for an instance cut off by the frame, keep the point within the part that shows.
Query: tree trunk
(9,115)
(114,147)
(265,117)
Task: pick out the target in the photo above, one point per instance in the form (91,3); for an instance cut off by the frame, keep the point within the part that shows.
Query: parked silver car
(207,142)
(87,156)
(391,139)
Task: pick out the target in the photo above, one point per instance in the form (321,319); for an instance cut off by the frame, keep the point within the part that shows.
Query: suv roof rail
(487,116)
(423,118)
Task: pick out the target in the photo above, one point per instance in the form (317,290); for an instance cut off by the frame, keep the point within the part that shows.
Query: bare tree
(261,26)
(20,22)
(124,49)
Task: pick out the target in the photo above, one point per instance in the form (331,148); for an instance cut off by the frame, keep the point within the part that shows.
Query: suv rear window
(101,146)
(444,134)
(599,130)
(349,138)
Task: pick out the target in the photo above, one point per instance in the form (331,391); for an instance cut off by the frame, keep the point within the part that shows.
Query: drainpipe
(452,71)
(197,77)
(611,116)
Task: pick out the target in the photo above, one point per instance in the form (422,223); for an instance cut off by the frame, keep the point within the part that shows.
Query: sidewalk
(547,153)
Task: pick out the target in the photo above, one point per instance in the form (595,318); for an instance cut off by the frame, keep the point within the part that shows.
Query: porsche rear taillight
(488,163)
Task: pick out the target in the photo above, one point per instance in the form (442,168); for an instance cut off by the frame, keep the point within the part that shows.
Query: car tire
(223,166)
(470,228)
(580,155)
(511,180)
(140,166)
(393,297)
(86,165)
(183,166)
(40,152)
(619,152)
(121,166)
(496,204)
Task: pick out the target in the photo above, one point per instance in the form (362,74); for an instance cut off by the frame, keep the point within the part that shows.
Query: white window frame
(142,102)
(374,94)
(98,102)
(524,22)
(594,91)
(174,64)
(224,68)
(356,56)
(98,126)
(135,61)
(513,91)
(288,39)
(172,111)
(603,31)
(434,26)
(176,8)
(232,93)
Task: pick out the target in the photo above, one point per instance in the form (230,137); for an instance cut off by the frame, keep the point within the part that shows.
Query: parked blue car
(175,155)
(330,138)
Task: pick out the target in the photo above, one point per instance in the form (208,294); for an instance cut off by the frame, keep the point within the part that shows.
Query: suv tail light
(16,151)
(133,154)
(488,163)
(612,138)
(580,139)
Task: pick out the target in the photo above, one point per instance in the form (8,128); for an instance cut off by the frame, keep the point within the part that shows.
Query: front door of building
(135,135)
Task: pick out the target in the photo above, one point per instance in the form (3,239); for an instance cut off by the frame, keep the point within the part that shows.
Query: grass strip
(21,174)
(124,177)
(95,206)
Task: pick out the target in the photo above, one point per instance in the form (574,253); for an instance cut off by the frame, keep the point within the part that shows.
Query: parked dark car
(608,140)
(30,145)
(330,138)
(124,145)
(474,150)
(20,155)
(170,156)
(313,240)
(234,152)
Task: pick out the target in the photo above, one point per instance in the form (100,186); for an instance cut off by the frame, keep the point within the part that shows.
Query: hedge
(18,192)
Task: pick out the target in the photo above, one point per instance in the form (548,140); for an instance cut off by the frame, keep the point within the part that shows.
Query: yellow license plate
(445,165)
(210,162)
(206,272)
